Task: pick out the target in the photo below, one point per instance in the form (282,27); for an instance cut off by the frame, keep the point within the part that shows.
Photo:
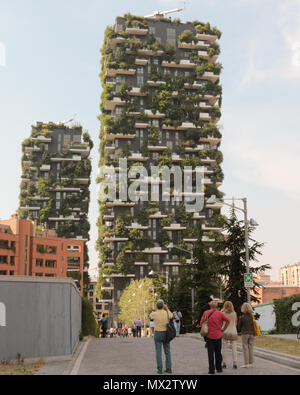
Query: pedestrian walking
(152,327)
(134,330)
(103,322)
(177,319)
(214,336)
(138,324)
(230,335)
(161,318)
(129,331)
(111,332)
(245,327)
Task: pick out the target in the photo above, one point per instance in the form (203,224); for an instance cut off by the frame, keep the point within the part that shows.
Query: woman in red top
(214,336)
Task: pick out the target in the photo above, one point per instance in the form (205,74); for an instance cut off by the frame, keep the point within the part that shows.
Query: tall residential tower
(56,170)
(160,107)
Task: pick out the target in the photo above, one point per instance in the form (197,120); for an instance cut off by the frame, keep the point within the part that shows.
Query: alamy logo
(296,316)
(2,314)
(2,55)
(183,185)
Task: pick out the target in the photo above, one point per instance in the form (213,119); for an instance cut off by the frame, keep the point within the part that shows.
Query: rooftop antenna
(159,14)
(67,120)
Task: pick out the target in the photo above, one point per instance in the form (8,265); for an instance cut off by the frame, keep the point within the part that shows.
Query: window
(67,139)
(50,275)
(51,250)
(4,244)
(152,30)
(171,36)
(39,274)
(40,249)
(3,272)
(11,273)
(175,271)
(98,306)
(140,70)
(91,294)
(3,259)
(50,264)
(39,263)
(140,80)
(57,205)
(141,271)
(76,138)
(12,261)
(119,110)
(74,261)
(73,248)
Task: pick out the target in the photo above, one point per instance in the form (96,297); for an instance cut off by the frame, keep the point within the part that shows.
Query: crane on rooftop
(162,14)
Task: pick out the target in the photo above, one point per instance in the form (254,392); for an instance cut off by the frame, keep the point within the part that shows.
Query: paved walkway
(137,357)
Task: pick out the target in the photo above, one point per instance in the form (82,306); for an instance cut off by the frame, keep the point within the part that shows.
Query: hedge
(89,323)
(283,311)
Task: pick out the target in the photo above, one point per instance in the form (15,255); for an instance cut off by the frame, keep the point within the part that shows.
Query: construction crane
(67,120)
(159,14)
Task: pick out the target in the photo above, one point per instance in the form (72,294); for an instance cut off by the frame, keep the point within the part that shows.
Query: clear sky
(51,71)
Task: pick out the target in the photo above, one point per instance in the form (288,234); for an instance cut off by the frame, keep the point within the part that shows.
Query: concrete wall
(39,317)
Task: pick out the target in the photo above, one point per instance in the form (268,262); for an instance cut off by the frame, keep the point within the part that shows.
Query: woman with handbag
(212,329)
(230,334)
(246,328)
(161,318)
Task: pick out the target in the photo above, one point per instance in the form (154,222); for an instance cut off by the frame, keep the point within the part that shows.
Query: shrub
(283,312)
(89,323)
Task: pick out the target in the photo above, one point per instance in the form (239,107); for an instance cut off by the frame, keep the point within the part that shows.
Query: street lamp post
(191,252)
(244,210)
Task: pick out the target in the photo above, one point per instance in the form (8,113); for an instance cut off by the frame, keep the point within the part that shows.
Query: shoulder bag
(204,328)
(171,331)
(257,331)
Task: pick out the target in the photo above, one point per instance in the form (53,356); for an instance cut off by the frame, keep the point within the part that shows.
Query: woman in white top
(230,334)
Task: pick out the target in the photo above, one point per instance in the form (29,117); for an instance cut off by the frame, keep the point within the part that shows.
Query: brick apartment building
(270,290)
(27,251)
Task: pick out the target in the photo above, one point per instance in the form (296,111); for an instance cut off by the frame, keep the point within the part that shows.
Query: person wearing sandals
(230,335)
(245,327)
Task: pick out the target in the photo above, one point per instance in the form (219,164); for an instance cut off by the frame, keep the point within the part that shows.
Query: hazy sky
(49,67)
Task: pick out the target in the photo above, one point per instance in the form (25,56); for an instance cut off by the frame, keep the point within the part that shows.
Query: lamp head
(253,222)
(212,200)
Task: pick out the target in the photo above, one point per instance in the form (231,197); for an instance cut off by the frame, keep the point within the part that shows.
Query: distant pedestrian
(129,332)
(111,332)
(230,335)
(245,327)
(138,324)
(214,336)
(103,322)
(134,330)
(161,318)
(152,327)
(177,319)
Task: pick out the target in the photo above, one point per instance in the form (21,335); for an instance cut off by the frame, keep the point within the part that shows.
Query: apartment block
(160,106)
(27,251)
(290,275)
(56,170)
